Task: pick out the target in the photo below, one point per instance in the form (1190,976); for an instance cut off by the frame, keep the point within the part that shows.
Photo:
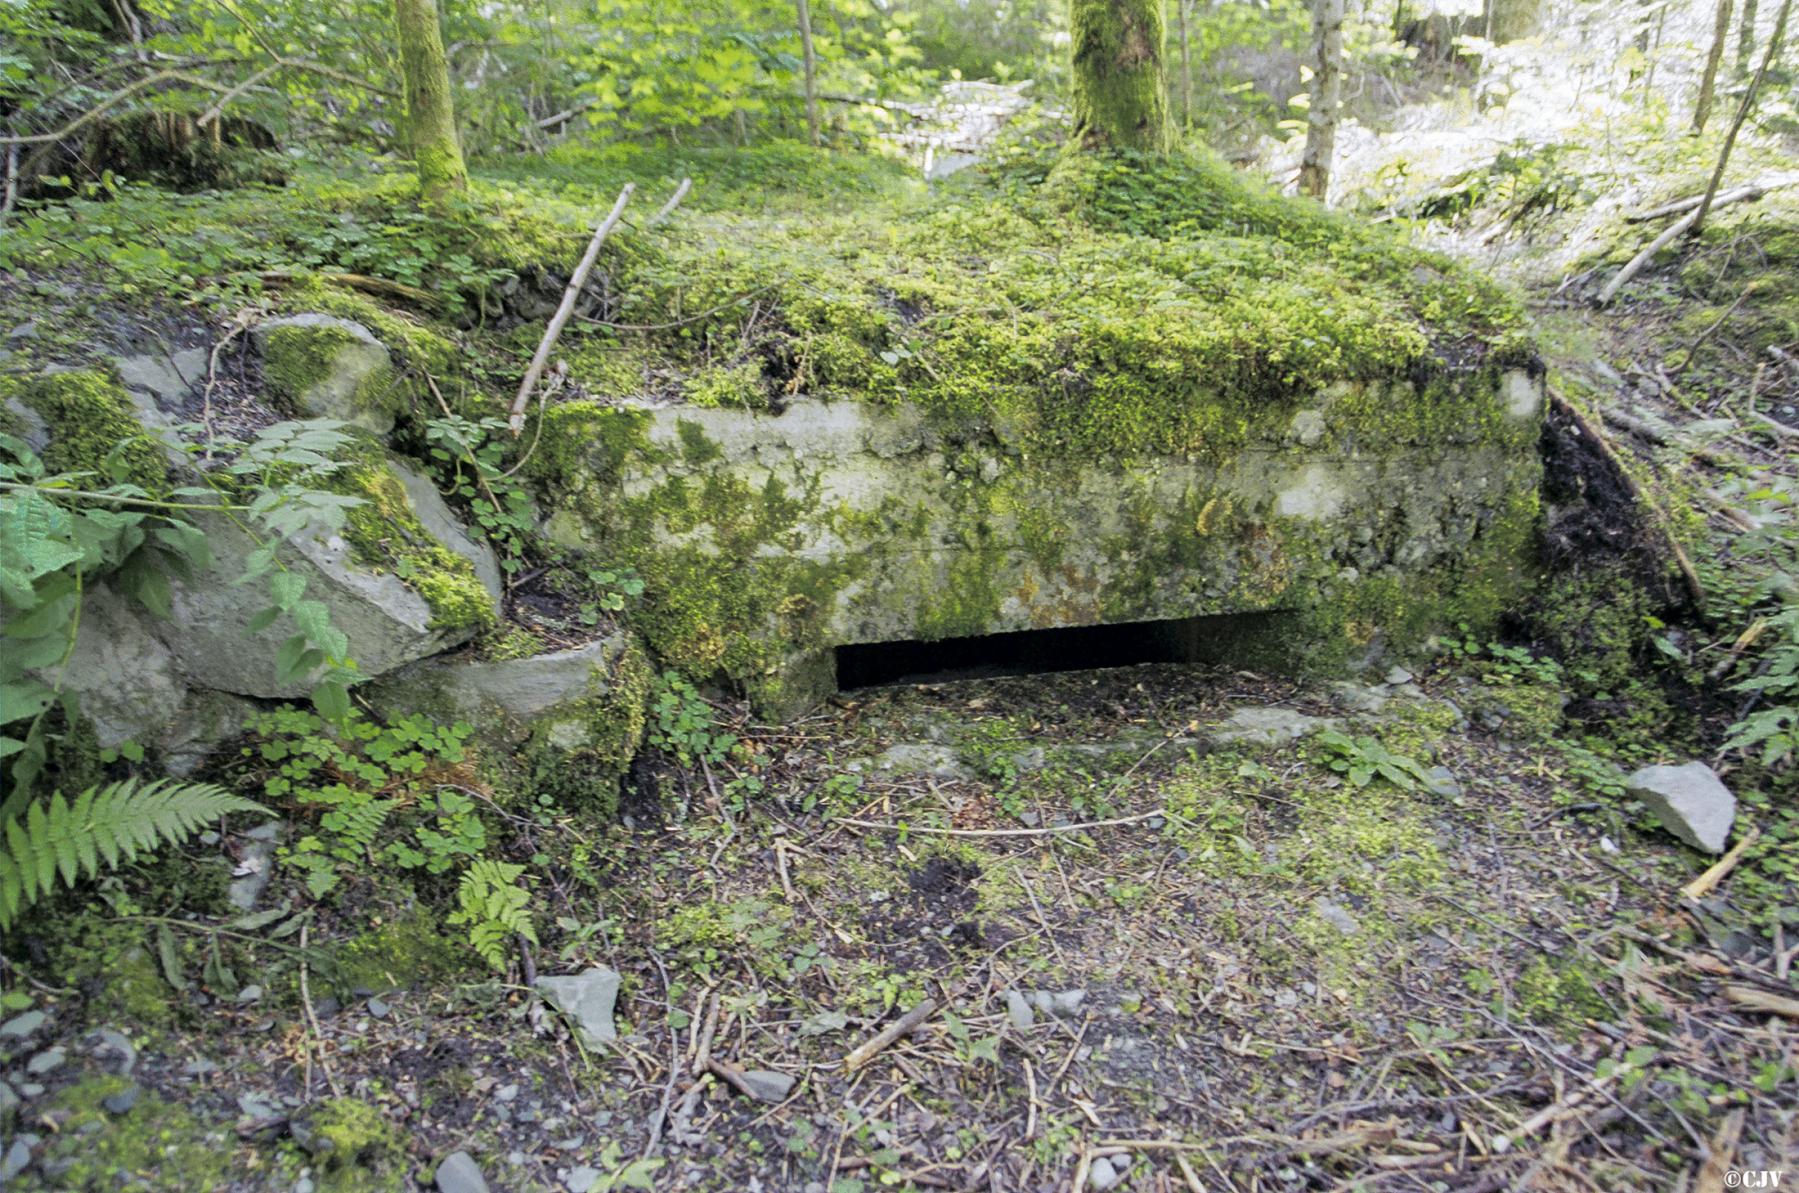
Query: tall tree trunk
(1509,20)
(1736,124)
(1746,38)
(430,115)
(1119,91)
(1702,107)
(811,59)
(1327,96)
(1180,13)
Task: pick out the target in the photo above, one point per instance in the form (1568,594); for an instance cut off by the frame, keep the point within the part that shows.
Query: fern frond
(111,823)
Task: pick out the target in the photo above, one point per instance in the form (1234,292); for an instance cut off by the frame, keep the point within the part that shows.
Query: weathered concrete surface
(882,526)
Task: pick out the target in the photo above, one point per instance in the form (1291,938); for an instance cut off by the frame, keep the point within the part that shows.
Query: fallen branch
(902,1026)
(379,287)
(731,1077)
(118,97)
(1754,998)
(9,192)
(1714,1174)
(1745,640)
(567,114)
(218,109)
(516,420)
(317,1039)
(1702,885)
(674,201)
(1680,206)
(1673,232)
(1555,1111)
(1001,832)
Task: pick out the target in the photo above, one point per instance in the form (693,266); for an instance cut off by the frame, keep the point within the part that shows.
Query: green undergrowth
(1061,313)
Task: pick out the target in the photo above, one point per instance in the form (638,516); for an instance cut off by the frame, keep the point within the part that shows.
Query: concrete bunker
(1360,519)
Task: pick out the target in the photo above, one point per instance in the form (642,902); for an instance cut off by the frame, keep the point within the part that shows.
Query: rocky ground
(1146,928)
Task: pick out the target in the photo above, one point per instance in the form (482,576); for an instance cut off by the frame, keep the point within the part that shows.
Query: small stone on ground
(586,999)
(1690,801)
(460,1174)
(769,1085)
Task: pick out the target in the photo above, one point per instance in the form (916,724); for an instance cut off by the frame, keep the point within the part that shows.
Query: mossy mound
(1119,304)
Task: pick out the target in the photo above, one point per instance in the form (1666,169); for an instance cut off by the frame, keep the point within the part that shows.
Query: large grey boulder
(1690,801)
(505,699)
(129,683)
(585,1000)
(388,623)
(329,368)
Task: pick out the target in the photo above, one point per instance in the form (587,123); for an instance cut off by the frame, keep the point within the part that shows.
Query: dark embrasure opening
(1214,639)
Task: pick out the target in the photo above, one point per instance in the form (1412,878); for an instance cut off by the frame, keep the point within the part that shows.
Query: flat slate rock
(1267,725)
(586,999)
(1690,801)
(460,1174)
(768,1085)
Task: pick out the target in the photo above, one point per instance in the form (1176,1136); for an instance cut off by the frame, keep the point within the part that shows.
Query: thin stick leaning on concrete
(902,1026)
(516,421)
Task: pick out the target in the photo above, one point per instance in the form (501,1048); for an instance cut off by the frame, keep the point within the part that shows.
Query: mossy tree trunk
(811,65)
(1511,20)
(1120,91)
(430,114)
(1180,14)
(1746,38)
(1327,97)
(1702,107)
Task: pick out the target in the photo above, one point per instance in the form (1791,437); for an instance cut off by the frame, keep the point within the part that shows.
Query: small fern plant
(110,824)
(494,909)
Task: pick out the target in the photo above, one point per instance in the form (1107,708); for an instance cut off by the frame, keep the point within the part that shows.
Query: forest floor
(1264,977)
(1160,939)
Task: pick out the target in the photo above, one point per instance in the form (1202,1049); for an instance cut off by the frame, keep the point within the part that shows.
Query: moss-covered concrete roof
(1108,303)
(1091,304)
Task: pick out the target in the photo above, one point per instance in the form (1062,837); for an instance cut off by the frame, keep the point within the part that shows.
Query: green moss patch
(94,428)
(1059,311)
(384,532)
(296,359)
(155,1144)
(403,951)
(352,1146)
